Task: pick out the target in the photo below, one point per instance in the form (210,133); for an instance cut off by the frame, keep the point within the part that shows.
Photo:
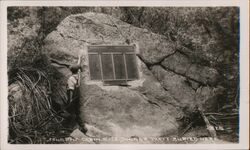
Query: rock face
(92,28)
(125,112)
(147,108)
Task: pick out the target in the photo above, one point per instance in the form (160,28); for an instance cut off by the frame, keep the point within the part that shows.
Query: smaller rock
(95,132)
(77,134)
(77,137)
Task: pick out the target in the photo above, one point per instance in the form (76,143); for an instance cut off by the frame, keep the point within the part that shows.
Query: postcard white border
(244,71)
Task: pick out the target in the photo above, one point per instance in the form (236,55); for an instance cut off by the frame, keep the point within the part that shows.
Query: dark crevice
(159,63)
(151,64)
(183,53)
(147,63)
(164,88)
(61,35)
(154,103)
(190,84)
(163,58)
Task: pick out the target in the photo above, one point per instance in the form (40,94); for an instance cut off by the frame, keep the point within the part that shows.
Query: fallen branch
(220,114)
(186,129)
(210,128)
(231,117)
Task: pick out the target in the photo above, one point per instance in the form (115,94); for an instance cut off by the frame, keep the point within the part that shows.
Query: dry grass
(31,116)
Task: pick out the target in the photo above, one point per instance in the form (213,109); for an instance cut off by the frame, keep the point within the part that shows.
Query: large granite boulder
(149,106)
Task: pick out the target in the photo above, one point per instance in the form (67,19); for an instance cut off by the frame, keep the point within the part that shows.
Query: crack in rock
(149,64)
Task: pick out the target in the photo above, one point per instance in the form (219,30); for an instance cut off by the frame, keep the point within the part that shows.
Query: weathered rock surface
(188,92)
(147,109)
(209,97)
(175,84)
(182,65)
(125,112)
(92,28)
